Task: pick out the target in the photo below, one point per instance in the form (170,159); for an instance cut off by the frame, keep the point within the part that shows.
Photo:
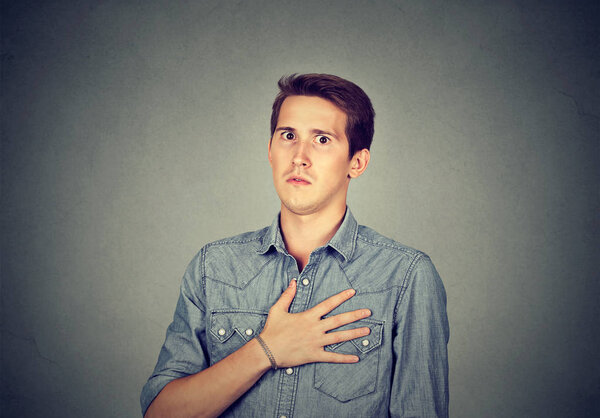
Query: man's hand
(299,338)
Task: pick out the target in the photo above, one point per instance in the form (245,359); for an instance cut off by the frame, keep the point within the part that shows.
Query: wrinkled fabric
(230,285)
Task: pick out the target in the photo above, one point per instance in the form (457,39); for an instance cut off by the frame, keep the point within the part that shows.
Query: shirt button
(365,342)
(249,332)
(289,370)
(305,282)
(221,331)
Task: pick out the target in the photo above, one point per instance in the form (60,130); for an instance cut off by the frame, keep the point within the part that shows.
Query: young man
(315,315)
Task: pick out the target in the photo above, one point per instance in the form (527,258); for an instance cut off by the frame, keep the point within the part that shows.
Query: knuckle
(359,332)
(336,321)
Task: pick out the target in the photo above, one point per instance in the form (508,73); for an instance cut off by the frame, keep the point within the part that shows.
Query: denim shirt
(230,285)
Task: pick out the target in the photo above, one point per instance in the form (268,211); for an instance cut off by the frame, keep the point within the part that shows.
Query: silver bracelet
(267,352)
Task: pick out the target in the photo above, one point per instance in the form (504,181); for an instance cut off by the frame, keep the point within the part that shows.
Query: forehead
(311,112)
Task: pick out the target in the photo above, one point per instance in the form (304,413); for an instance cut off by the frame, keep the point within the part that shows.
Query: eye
(288,135)
(322,139)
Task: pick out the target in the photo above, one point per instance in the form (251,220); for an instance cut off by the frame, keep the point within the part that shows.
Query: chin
(300,208)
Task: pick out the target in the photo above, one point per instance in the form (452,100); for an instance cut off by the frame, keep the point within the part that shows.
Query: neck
(303,233)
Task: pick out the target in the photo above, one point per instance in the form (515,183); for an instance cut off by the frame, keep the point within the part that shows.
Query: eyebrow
(314,131)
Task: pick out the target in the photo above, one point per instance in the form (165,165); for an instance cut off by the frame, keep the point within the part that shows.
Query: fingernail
(356,359)
(351,292)
(292,283)
(367,312)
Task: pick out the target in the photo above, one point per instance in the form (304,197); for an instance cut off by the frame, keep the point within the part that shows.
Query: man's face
(309,156)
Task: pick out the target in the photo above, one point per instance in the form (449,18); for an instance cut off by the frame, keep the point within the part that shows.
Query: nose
(301,158)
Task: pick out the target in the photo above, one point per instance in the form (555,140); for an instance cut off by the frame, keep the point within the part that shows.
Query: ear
(359,163)
(269,151)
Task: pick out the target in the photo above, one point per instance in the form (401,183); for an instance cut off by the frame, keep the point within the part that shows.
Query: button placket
(288,380)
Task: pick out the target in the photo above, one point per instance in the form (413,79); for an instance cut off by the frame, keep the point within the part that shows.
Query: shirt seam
(405,281)
(245,283)
(398,247)
(203,274)
(227,241)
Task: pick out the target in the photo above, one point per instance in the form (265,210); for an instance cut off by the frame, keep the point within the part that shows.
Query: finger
(332,302)
(286,298)
(329,357)
(346,335)
(345,318)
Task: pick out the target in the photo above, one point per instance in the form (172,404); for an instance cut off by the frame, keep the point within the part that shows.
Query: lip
(299,180)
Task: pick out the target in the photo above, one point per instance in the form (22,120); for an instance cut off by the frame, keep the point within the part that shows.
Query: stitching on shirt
(227,241)
(401,248)
(344,272)
(233,310)
(404,286)
(353,247)
(277,411)
(364,292)
(379,291)
(294,391)
(247,282)
(203,271)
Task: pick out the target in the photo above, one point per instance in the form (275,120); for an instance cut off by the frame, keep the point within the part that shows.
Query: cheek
(339,167)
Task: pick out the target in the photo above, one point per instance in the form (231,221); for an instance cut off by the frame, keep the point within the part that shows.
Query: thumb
(286,298)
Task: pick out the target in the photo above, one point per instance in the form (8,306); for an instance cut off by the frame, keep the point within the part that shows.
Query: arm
(420,376)
(294,339)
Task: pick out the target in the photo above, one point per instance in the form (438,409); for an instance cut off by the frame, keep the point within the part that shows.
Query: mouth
(297,180)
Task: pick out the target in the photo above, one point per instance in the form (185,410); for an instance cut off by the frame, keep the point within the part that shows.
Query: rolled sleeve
(184,350)
(420,376)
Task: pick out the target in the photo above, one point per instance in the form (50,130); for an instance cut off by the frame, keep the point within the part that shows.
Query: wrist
(259,357)
(267,352)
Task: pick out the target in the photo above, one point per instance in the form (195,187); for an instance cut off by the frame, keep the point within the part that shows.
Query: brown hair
(342,93)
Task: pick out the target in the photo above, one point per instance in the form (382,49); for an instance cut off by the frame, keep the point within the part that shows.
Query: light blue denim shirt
(229,287)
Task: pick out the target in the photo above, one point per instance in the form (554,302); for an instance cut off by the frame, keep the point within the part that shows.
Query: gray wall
(135,132)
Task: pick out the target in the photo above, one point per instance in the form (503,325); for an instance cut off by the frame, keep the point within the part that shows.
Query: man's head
(344,94)
(322,127)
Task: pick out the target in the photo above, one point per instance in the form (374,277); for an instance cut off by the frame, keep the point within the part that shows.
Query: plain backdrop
(134,132)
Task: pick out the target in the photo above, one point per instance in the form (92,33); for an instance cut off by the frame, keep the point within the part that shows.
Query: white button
(305,282)
(249,332)
(221,331)
(289,370)
(365,342)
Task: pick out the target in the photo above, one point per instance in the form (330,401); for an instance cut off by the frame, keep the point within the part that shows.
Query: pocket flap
(247,324)
(371,341)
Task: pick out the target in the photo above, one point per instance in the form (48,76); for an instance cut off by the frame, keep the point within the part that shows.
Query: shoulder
(413,270)
(379,263)
(369,241)
(246,241)
(233,259)
(393,260)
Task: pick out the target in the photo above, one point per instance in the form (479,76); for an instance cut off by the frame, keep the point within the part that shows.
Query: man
(360,329)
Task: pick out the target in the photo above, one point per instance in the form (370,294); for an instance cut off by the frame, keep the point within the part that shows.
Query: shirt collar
(344,240)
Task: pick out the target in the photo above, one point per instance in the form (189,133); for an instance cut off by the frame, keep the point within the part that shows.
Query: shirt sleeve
(184,350)
(420,341)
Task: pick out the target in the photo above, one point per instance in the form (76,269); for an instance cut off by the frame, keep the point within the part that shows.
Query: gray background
(135,132)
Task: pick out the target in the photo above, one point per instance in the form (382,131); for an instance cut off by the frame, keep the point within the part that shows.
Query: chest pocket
(348,381)
(231,329)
